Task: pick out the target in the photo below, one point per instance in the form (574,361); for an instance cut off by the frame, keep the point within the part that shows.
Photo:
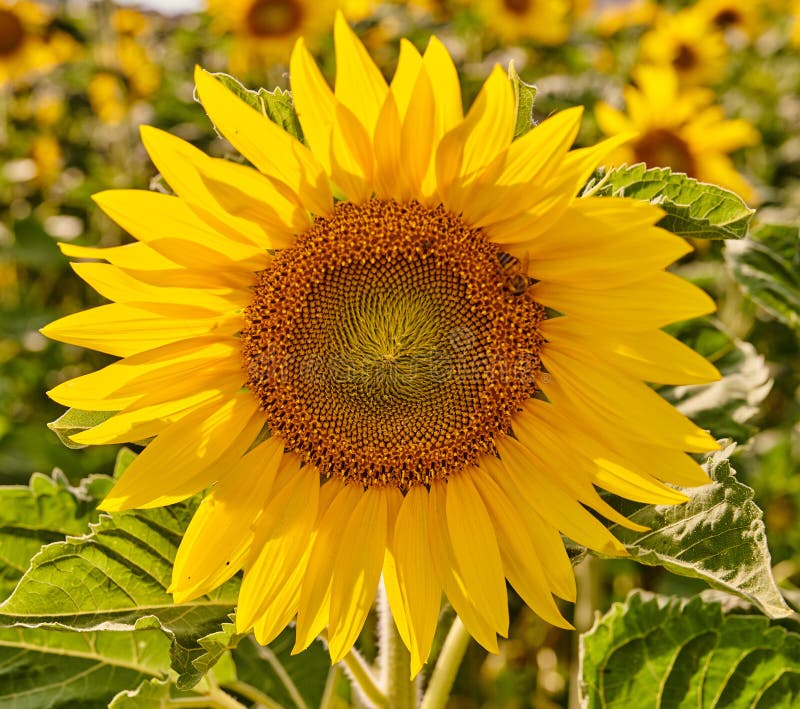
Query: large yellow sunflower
(378,385)
(25,46)
(690,43)
(680,129)
(544,21)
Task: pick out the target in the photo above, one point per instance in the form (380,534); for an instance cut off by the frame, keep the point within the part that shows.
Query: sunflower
(680,129)
(25,46)
(615,18)
(544,21)
(690,43)
(379,384)
(264,31)
(726,15)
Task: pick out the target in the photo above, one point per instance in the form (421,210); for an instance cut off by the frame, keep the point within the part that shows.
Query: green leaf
(665,652)
(693,209)
(718,536)
(115,577)
(524,96)
(307,672)
(724,407)
(162,694)
(52,668)
(215,646)
(44,511)
(276,105)
(74,421)
(767,267)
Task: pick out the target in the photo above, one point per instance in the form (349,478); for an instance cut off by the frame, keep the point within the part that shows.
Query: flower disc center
(274,18)
(12,33)
(391,343)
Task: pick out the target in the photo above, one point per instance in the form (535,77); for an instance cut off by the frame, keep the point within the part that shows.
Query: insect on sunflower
(356,383)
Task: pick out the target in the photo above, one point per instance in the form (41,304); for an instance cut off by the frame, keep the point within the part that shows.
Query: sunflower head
(12,32)
(688,42)
(544,21)
(679,128)
(425,380)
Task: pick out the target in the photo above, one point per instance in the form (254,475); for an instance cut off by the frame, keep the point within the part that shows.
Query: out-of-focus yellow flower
(795,36)
(129,21)
(264,31)
(689,43)
(48,108)
(744,17)
(618,17)
(24,45)
(143,75)
(107,97)
(682,130)
(545,21)
(46,153)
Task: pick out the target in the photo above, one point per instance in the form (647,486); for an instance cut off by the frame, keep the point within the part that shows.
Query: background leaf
(717,536)
(724,407)
(767,267)
(693,209)
(44,511)
(666,652)
(43,669)
(308,671)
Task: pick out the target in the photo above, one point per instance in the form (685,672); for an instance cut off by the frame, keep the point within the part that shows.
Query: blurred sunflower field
(699,105)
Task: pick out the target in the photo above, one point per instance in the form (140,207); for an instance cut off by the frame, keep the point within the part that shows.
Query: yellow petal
(520,556)
(351,157)
(313,609)
(313,101)
(220,534)
(556,566)
(475,548)
(282,537)
(135,376)
(191,450)
(417,139)
(136,255)
(124,330)
(386,145)
(115,284)
(405,76)
(530,159)
(631,405)
(658,300)
(439,63)
(183,166)
(359,86)
(419,587)
(155,218)
(449,575)
(546,496)
(357,570)
(270,148)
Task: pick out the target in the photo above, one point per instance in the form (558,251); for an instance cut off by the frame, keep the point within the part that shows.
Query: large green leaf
(767,267)
(115,576)
(693,209)
(726,406)
(665,652)
(717,536)
(44,511)
(41,668)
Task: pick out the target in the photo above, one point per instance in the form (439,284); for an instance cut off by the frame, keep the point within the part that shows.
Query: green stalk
(444,674)
(394,659)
